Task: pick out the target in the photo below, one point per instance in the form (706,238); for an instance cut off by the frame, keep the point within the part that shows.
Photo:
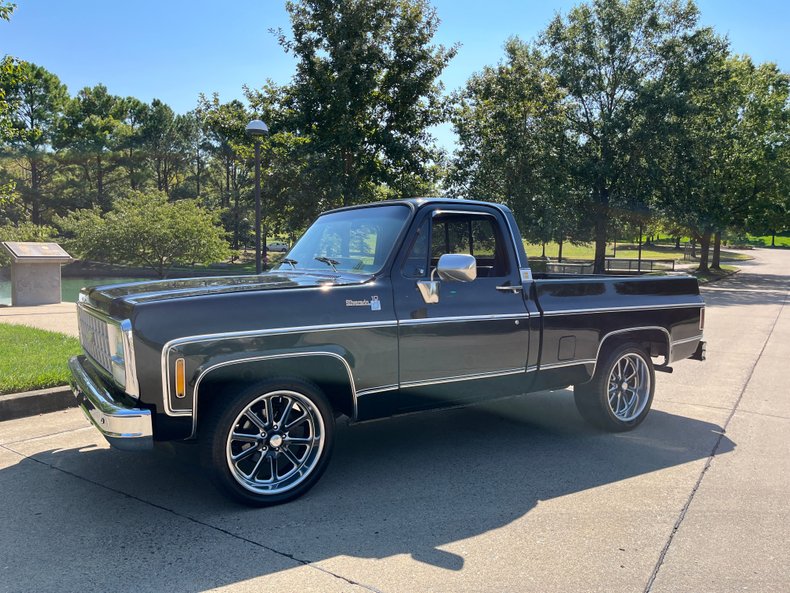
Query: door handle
(514,288)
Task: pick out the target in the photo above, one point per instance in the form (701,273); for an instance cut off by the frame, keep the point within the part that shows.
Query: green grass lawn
(32,358)
(765,241)
(624,250)
(243,265)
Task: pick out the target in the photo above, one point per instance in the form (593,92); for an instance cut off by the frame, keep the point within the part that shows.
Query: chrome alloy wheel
(629,387)
(276,442)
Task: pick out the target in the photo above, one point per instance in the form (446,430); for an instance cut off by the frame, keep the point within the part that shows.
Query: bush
(145,229)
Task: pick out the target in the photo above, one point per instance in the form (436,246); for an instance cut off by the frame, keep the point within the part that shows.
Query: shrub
(145,229)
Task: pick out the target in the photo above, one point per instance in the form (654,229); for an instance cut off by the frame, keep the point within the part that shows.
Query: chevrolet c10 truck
(377,310)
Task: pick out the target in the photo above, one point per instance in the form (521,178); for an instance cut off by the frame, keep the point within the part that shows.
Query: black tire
(627,407)
(267,463)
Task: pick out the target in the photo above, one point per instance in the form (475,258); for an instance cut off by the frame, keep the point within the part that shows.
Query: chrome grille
(95,338)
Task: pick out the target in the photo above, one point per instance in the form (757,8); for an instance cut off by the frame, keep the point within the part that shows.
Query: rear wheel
(619,396)
(270,443)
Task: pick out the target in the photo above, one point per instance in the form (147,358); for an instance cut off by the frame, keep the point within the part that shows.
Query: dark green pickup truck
(377,310)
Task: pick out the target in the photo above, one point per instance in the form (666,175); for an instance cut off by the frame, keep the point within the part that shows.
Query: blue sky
(175,49)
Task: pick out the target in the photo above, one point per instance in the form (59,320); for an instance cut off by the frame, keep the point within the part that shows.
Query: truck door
(478,330)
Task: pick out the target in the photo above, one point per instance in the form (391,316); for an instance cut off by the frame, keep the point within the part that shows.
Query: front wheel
(619,396)
(270,443)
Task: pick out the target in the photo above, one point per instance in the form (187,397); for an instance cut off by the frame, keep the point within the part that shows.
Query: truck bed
(580,313)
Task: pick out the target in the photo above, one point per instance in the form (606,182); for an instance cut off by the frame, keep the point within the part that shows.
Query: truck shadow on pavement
(408,485)
(747,289)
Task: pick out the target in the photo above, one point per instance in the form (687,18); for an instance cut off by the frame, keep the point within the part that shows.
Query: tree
(513,147)
(765,149)
(196,150)
(225,125)
(90,122)
(8,67)
(129,140)
(145,229)
(698,172)
(605,54)
(289,191)
(36,98)
(365,93)
(165,137)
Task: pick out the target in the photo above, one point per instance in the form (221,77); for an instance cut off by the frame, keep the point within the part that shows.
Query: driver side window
(475,234)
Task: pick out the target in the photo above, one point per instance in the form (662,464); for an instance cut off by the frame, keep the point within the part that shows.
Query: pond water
(70,287)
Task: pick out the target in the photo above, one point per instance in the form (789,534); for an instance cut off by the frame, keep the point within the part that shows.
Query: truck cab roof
(417,203)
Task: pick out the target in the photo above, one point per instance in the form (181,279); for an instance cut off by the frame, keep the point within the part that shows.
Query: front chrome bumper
(123,426)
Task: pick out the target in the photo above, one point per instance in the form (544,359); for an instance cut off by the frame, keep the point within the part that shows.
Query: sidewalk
(61,317)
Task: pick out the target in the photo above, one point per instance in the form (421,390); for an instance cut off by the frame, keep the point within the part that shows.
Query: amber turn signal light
(181,384)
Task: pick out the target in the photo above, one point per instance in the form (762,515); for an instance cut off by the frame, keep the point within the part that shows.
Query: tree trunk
(639,256)
(704,250)
(100,184)
(543,255)
(132,182)
(236,221)
(677,242)
(349,188)
(716,263)
(35,206)
(773,239)
(226,197)
(599,265)
(86,171)
(197,177)
(559,255)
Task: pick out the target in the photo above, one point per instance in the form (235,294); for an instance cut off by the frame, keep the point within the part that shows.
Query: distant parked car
(277,246)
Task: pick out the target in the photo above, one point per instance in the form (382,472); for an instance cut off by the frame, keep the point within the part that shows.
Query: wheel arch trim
(629,330)
(253,359)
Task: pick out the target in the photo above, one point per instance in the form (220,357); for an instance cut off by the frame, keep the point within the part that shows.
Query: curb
(33,403)
(720,278)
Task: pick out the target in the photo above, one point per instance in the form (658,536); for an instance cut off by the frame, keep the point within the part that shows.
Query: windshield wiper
(328,261)
(288,260)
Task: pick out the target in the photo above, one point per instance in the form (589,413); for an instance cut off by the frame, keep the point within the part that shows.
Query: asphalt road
(514,496)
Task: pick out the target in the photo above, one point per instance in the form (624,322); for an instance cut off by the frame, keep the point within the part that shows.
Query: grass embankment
(32,358)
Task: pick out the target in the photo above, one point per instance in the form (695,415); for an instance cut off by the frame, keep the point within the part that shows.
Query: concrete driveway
(512,496)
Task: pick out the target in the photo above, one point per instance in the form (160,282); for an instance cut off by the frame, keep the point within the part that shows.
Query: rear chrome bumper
(699,353)
(124,427)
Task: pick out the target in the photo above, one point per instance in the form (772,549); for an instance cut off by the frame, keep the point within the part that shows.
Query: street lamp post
(256,129)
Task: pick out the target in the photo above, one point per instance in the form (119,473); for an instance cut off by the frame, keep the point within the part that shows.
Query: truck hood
(113,297)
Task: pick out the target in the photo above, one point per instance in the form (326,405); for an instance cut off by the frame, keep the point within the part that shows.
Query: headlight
(117,355)
(122,356)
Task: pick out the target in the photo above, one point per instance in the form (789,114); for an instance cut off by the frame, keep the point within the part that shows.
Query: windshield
(349,241)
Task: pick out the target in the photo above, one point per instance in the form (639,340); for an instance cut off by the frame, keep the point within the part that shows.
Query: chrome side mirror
(458,267)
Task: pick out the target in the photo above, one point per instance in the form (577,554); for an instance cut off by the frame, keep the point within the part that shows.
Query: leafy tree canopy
(365,93)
